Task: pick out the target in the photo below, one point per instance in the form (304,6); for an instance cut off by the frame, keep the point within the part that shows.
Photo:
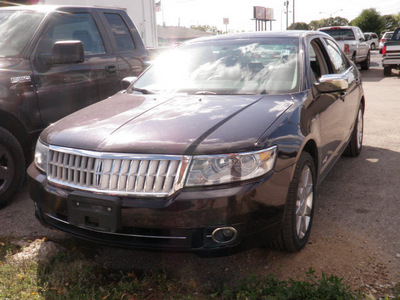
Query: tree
(299,26)
(391,22)
(336,21)
(206,28)
(369,21)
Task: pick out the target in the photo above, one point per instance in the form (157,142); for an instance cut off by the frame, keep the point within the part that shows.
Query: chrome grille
(116,173)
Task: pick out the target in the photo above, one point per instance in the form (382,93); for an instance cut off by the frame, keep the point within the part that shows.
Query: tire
(299,209)
(373,47)
(353,58)
(355,144)
(365,64)
(387,71)
(12,166)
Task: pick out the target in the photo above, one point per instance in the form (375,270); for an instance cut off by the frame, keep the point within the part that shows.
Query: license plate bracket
(95,212)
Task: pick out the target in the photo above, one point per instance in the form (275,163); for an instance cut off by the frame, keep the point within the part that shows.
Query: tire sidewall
(12,146)
(296,243)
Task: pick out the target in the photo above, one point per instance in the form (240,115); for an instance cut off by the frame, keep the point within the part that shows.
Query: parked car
(221,143)
(391,53)
(55,60)
(385,37)
(352,42)
(372,39)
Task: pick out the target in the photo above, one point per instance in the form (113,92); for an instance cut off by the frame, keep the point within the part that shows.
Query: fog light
(224,235)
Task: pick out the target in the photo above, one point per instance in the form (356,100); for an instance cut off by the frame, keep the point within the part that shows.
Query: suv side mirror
(68,52)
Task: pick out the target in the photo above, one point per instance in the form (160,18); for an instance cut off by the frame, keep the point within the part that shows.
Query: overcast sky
(240,12)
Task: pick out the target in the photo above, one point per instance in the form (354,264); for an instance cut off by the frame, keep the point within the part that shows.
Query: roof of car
(337,27)
(50,8)
(254,35)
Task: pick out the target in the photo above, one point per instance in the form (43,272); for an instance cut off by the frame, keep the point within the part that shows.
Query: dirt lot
(356,229)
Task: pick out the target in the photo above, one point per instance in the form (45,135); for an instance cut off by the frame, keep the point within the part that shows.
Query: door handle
(111,70)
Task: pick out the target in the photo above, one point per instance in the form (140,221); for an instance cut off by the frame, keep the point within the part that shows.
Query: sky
(240,12)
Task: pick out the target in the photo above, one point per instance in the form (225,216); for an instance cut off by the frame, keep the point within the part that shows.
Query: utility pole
(287,14)
(293,15)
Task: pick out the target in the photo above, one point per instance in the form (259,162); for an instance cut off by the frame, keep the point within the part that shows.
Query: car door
(127,44)
(65,88)
(350,98)
(328,107)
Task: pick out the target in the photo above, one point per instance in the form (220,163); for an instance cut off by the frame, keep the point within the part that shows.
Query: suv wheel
(12,166)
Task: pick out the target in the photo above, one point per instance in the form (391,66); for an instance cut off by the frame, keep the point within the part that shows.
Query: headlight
(41,156)
(217,169)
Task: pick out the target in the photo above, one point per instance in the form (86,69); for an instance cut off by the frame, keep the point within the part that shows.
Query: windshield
(340,34)
(16,29)
(239,66)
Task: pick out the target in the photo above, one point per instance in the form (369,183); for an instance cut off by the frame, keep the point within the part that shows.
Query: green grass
(72,275)
(269,287)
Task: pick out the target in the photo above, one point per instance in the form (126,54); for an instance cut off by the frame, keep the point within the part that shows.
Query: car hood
(179,125)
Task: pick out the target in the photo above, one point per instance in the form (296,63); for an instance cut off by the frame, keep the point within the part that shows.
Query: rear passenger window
(121,32)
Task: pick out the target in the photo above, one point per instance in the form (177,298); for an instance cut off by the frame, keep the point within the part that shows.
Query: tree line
(370,20)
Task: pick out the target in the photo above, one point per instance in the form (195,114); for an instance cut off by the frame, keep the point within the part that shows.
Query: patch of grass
(71,275)
(269,287)
(18,281)
(396,292)
(67,277)
(6,247)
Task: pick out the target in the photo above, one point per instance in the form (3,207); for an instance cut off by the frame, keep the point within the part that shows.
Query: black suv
(54,61)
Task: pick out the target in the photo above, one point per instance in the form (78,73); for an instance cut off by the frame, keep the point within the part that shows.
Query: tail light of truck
(383,50)
(346,48)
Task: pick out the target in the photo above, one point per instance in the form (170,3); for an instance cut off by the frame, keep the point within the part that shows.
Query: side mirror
(68,52)
(127,81)
(332,83)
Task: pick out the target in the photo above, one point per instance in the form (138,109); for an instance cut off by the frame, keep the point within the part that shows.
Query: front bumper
(185,221)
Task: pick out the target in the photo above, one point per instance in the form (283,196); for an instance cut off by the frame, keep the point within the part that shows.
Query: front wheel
(299,209)
(355,144)
(12,166)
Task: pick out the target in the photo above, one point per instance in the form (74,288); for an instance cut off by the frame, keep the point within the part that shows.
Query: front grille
(116,173)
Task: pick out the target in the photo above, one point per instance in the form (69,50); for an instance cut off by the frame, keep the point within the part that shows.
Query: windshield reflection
(242,66)
(16,29)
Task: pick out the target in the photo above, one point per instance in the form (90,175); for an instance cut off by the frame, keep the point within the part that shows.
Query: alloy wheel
(304,202)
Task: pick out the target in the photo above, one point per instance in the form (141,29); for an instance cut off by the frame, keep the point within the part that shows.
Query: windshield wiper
(143,91)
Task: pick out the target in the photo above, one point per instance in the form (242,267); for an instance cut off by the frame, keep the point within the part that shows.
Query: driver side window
(78,26)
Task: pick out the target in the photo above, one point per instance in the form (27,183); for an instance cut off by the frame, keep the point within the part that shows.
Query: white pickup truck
(391,53)
(352,42)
